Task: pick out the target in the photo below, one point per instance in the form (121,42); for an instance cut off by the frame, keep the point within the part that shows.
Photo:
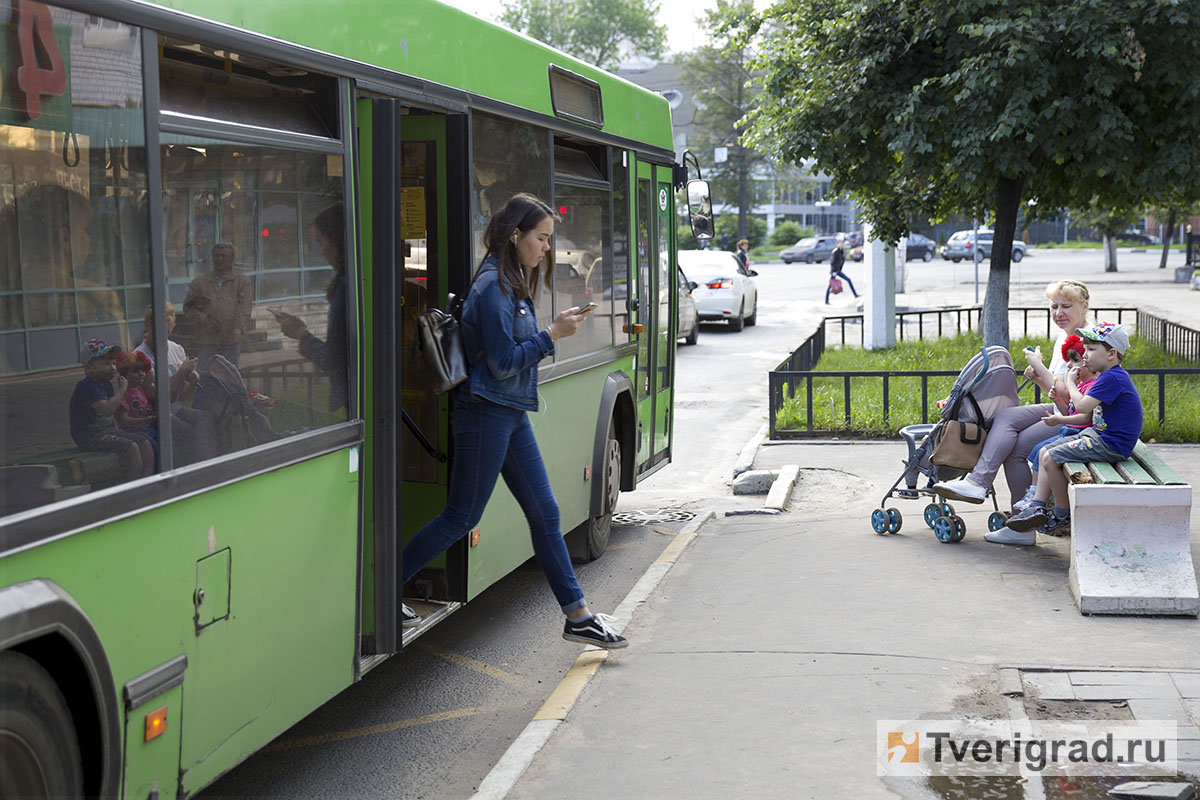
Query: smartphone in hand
(586,308)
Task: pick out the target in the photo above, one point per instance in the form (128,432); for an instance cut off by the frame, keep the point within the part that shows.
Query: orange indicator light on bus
(475,537)
(156,723)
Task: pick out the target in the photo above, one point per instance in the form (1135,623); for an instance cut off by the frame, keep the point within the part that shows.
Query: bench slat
(1105,472)
(1155,465)
(1072,467)
(1134,473)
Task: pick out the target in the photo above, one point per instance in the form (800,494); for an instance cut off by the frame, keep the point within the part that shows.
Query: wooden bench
(1131,550)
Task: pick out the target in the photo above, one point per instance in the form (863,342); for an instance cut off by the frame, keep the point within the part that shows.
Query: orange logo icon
(903,748)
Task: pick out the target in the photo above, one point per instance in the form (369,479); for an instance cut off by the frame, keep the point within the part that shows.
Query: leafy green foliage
(756,230)
(601,32)
(789,232)
(923,110)
(904,393)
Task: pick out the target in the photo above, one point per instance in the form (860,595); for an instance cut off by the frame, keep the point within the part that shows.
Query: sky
(683,32)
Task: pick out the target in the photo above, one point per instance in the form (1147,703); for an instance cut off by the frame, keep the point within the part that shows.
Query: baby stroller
(239,423)
(985,385)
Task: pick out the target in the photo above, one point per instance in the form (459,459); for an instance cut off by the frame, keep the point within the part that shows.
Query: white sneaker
(1009,536)
(1024,502)
(961,489)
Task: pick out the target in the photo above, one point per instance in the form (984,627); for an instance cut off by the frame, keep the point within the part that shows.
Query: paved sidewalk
(760,665)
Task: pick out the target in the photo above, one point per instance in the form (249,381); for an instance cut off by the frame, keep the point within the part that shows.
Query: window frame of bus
(75,515)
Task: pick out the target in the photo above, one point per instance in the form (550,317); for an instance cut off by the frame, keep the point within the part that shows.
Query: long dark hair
(522,212)
(331,223)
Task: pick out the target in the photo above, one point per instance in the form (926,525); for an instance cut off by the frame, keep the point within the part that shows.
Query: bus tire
(39,752)
(599,528)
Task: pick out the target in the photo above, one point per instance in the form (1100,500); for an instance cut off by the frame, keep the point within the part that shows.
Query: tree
(718,76)
(1107,222)
(601,32)
(972,106)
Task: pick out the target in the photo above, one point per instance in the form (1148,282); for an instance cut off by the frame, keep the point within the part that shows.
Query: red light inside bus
(266,232)
(156,723)
(475,537)
(562,209)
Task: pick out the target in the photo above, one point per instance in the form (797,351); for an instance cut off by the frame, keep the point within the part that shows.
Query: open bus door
(407,248)
(655,313)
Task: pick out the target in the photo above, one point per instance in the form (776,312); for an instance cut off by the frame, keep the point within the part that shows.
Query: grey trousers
(1015,432)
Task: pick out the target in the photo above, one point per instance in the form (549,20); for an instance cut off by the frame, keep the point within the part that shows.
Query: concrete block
(756,481)
(1048,685)
(1188,683)
(781,489)
(1145,709)
(1162,679)
(1131,550)
(745,461)
(1117,691)
(1008,681)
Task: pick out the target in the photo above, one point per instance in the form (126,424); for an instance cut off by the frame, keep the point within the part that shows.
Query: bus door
(656,351)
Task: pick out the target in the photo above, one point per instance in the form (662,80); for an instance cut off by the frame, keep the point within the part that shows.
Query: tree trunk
(995,306)
(1110,253)
(1167,238)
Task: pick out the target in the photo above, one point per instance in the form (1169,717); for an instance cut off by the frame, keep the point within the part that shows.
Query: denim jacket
(501,337)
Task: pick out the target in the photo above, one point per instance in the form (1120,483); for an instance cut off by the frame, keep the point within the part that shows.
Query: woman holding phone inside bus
(492,433)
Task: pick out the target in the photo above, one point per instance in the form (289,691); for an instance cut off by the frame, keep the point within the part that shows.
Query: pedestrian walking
(835,269)
(743,254)
(492,433)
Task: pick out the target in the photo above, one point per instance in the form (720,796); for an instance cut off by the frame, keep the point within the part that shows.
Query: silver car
(809,249)
(723,290)
(689,317)
(961,245)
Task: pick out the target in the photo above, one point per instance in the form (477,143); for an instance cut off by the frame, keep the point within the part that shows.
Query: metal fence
(949,320)
(797,368)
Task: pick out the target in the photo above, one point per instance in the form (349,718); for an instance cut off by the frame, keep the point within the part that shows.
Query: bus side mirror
(700,210)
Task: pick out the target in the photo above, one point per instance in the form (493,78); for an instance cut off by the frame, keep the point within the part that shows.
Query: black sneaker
(595,631)
(1030,519)
(408,618)
(1056,525)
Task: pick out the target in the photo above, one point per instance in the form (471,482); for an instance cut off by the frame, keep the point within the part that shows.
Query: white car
(724,291)
(689,318)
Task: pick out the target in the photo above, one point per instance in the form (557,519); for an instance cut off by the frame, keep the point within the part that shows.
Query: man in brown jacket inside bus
(217,308)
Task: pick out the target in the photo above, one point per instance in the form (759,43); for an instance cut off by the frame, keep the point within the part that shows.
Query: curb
(749,452)
(781,489)
(520,754)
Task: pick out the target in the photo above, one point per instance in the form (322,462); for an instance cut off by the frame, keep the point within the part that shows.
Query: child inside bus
(95,401)
(1116,412)
(1083,378)
(139,407)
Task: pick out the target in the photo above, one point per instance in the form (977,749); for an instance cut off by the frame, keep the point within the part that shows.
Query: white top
(176,355)
(1058,365)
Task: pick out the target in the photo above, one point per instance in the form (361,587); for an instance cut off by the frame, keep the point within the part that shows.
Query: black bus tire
(599,528)
(39,751)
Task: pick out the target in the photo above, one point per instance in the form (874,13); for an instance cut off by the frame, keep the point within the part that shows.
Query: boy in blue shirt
(93,404)
(1116,411)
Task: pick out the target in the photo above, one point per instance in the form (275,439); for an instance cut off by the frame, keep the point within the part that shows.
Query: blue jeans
(491,440)
(1064,432)
(840,274)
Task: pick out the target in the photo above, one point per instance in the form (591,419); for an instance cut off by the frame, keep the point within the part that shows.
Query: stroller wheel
(879,521)
(996,520)
(960,528)
(947,510)
(943,529)
(932,512)
(894,520)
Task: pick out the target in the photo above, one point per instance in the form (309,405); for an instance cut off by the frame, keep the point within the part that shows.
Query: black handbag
(439,341)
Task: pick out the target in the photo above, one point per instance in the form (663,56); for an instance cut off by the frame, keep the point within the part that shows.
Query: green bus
(219,222)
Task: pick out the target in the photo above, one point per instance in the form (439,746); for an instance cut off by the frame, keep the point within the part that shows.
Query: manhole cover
(652,517)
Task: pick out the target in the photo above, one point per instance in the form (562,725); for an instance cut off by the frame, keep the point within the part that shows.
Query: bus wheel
(39,753)
(599,528)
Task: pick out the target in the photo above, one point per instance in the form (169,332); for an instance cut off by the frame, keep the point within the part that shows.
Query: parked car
(723,290)
(809,249)
(921,247)
(960,245)
(689,317)
(1136,236)
(856,253)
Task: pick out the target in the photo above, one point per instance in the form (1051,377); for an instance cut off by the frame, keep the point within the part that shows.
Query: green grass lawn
(1182,422)
(1081,244)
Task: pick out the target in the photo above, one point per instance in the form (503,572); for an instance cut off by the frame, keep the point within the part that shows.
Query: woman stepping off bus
(492,433)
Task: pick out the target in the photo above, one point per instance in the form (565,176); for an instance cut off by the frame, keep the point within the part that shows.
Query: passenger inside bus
(329,355)
(218,308)
(94,404)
